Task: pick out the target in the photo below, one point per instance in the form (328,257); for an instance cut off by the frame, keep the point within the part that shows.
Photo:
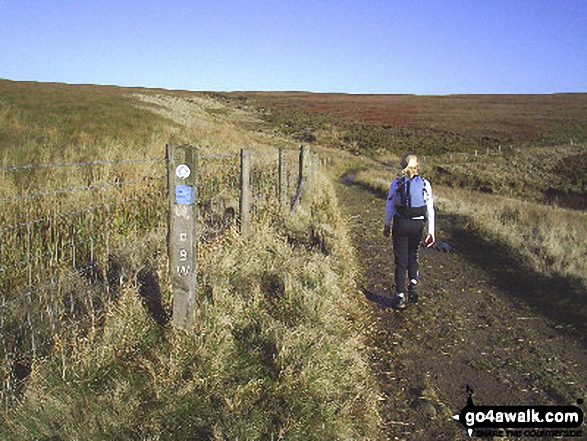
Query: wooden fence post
(282,173)
(315,166)
(303,176)
(245,192)
(182,175)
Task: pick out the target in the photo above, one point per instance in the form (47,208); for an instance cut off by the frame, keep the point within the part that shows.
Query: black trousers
(406,236)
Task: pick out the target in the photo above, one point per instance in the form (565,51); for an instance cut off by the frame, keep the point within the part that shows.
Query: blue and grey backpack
(410,197)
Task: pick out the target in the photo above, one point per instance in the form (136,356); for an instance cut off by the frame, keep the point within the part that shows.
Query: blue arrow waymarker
(185,195)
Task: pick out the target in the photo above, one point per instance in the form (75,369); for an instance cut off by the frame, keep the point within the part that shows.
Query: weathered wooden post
(182,173)
(303,177)
(245,192)
(282,176)
(305,161)
(315,167)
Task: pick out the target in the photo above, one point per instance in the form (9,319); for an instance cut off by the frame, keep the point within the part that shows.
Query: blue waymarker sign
(184,195)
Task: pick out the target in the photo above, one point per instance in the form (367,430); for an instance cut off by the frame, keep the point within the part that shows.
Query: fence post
(282,173)
(182,175)
(303,177)
(245,192)
(315,166)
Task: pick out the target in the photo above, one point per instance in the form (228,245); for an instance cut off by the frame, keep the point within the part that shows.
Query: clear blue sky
(365,46)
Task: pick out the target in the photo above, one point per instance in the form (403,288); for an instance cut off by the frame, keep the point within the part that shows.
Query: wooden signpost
(182,234)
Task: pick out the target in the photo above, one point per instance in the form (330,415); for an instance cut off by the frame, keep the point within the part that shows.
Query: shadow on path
(562,300)
(379,299)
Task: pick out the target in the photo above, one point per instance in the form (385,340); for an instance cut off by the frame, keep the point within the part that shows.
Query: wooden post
(305,163)
(182,173)
(315,166)
(282,173)
(245,193)
(303,177)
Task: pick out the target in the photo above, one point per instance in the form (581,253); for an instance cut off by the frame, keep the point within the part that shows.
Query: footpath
(465,330)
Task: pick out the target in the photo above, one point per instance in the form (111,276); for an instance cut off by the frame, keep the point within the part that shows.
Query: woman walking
(410,206)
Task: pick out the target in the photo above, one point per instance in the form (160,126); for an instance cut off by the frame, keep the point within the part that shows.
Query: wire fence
(64,229)
(61,228)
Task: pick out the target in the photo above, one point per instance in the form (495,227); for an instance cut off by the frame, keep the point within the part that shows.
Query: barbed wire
(76,189)
(49,219)
(219,168)
(264,153)
(80,164)
(220,155)
(39,298)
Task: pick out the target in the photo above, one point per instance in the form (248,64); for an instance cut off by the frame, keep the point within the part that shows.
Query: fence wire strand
(80,164)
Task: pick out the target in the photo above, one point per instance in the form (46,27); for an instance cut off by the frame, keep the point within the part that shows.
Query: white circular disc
(182,171)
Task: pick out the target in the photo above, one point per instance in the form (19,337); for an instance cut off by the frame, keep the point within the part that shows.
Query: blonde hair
(410,165)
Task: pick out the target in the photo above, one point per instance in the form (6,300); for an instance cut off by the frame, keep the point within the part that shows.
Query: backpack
(411,196)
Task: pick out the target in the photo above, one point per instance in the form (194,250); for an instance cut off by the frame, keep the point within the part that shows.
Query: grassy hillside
(553,174)
(43,119)
(277,351)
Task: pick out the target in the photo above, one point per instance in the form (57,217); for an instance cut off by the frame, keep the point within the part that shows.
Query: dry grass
(215,126)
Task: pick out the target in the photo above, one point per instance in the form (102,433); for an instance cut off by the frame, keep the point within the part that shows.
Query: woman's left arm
(430,214)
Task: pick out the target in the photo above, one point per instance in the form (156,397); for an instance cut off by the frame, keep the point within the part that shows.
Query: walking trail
(466,329)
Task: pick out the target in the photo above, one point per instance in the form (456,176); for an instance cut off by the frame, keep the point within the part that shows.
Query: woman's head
(409,165)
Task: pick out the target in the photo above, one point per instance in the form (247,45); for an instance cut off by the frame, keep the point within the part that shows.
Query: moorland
(295,337)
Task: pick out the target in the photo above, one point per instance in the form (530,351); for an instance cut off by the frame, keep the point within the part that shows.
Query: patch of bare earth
(468,328)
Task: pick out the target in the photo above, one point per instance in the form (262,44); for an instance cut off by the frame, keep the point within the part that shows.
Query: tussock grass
(276,352)
(277,348)
(72,233)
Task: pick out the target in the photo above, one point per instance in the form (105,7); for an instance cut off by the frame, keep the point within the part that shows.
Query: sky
(424,47)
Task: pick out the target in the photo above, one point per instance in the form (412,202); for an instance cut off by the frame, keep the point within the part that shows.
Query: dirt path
(464,331)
